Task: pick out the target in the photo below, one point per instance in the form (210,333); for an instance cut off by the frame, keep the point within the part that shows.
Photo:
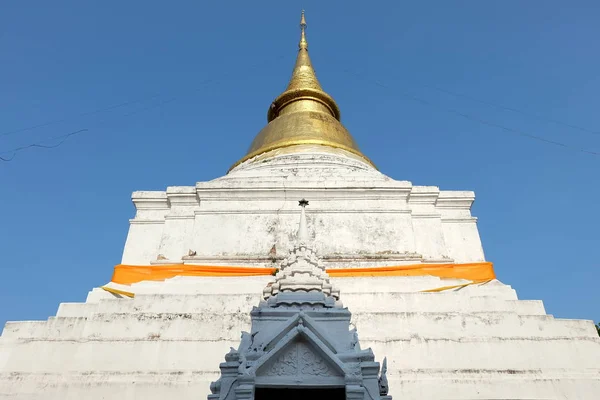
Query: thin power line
(515,110)
(479,120)
(126,103)
(41,145)
(65,137)
(57,121)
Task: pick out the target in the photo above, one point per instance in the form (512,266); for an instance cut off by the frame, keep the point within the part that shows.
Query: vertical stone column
(355,392)
(244,392)
(370,374)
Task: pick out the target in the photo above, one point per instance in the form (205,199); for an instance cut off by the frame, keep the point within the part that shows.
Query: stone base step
(255,284)
(183,385)
(370,326)
(157,354)
(360,302)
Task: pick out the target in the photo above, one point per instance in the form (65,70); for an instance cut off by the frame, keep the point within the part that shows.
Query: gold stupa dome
(303,115)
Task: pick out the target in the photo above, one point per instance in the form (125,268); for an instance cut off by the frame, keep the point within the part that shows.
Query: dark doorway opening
(291,393)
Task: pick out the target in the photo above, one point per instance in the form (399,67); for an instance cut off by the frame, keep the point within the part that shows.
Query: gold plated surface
(303,113)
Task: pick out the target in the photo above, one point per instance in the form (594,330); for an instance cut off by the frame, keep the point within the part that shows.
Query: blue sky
(198,77)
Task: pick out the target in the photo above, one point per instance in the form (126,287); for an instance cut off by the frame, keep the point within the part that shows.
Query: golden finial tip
(303,43)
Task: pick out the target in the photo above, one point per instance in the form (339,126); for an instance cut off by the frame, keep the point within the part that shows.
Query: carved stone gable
(286,364)
(299,359)
(313,364)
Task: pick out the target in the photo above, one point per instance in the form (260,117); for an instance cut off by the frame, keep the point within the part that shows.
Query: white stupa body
(480,342)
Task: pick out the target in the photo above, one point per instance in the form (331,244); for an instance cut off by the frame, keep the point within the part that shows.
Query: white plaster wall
(143,242)
(176,237)
(335,233)
(429,237)
(459,236)
(355,210)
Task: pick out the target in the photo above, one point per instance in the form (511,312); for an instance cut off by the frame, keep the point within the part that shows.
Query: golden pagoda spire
(303,85)
(303,114)
(304,75)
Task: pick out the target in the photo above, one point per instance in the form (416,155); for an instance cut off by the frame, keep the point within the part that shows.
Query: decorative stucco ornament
(301,271)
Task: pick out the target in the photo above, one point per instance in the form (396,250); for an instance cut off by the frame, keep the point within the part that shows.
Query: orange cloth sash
(128,274)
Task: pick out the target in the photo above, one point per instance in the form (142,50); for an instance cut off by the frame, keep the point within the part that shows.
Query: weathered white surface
(236,219)
(480,342)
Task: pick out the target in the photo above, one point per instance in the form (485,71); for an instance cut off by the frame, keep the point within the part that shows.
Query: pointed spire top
(302,236)
(304,76)
(303,43)
(304,114)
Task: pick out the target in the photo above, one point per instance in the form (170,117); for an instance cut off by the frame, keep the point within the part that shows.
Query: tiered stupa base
(480,342)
